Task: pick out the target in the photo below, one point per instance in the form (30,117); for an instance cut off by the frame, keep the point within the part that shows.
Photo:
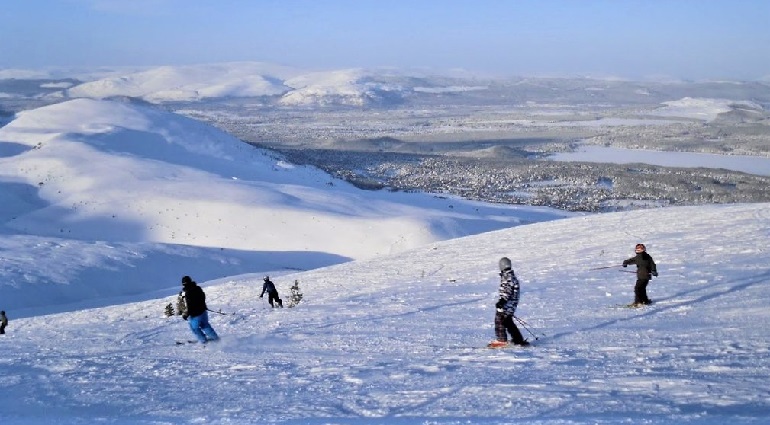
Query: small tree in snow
(296,295)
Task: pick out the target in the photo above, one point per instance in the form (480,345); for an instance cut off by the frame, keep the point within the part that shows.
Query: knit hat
(186,279)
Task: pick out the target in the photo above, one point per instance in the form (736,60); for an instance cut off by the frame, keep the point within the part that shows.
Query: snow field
(401,337)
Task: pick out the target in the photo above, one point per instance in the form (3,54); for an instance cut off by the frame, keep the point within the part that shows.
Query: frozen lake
(747,164)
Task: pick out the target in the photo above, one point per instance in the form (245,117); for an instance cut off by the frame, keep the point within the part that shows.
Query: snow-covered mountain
(108,184)
(354,87)
(282,86)
(186,83)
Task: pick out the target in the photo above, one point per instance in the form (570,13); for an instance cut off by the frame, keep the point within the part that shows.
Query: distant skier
(192,303)
(645,269)
(506,307)
(272,293)
(3,322)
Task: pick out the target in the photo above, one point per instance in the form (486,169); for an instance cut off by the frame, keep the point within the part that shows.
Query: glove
(625,265)
(500,303)
(655,274)
(185,316)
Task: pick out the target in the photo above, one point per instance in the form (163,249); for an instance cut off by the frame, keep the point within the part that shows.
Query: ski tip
(500,344)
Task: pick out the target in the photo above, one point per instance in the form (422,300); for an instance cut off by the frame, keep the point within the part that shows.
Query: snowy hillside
(246,79)
(705,109)
(347,87)
(103,195)
(194,82)
(399,339)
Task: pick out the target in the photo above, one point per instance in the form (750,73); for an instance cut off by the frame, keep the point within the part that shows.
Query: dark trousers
(272,296)
(640,291)
(503,324)
(2,328)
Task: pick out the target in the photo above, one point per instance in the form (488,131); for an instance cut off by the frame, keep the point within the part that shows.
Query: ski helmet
(505,263)
(186,279)
(640,248)
(266,278)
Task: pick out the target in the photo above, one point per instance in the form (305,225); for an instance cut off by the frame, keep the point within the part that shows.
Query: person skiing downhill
(193,300)
(506,307)
(272,293)
(645,269)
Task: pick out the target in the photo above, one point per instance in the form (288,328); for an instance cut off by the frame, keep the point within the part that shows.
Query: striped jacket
(509,291)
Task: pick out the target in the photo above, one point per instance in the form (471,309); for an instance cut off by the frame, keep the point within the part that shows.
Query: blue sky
(694,39)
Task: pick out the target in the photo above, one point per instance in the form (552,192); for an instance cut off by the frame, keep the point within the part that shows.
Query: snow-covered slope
(399,339)
(124,184)
(353,87)
(194,82)
(706,109)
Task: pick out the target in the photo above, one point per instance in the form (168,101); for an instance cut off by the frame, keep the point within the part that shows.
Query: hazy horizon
(626,39)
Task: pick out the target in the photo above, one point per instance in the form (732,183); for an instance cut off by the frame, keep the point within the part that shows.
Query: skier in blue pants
(195,311)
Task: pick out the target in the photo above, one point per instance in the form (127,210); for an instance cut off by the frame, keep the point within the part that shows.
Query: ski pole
(524,325)
(522,321)
(527,329)
(217,312)
(605,267)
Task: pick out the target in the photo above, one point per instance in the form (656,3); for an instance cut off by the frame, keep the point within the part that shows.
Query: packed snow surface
(400,338)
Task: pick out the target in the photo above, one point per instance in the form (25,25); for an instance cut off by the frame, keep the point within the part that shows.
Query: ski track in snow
(400,339)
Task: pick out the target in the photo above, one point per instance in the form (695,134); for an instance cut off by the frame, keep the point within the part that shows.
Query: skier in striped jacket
(506,307)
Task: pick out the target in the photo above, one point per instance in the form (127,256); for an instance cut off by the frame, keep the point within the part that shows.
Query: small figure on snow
(3,322)
(192,302)
(645,269)
(506,307)
(272,293)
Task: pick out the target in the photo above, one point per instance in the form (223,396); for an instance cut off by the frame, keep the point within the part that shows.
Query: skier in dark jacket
(194,310)
(645,269)
(506,307)
(3,322)
(272,293)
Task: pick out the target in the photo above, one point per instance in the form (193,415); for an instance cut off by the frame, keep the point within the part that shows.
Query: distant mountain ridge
(287,86)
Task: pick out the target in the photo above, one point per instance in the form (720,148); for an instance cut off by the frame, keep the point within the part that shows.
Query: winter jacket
(645,266)
(194,299)
(3,320)
(509,292)
(268,287)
